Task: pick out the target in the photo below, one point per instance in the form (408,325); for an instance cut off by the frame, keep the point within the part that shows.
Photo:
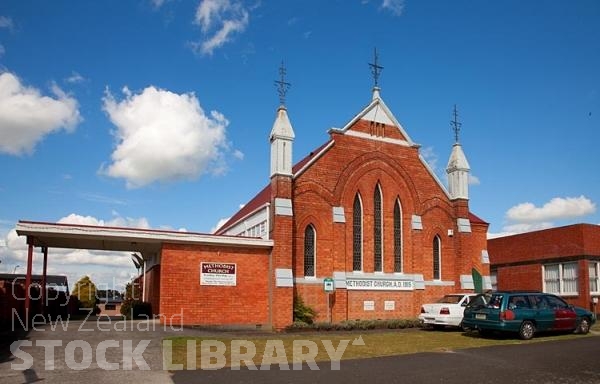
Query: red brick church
(363,216)
(365,210)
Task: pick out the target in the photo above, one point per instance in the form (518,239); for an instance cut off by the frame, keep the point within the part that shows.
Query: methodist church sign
(379,284)
(223,274)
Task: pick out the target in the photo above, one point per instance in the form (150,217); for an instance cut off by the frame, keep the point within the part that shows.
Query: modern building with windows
(564,261)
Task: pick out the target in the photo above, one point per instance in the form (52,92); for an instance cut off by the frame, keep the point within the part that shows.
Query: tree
(85,291)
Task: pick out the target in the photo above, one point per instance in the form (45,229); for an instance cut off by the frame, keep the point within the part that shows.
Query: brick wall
(354,165)
(519,259)
(182,295)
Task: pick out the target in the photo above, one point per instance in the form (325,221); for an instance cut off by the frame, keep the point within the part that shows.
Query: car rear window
(450,299)
(495,301)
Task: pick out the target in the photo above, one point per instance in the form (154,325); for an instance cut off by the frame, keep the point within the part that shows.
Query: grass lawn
(376,343)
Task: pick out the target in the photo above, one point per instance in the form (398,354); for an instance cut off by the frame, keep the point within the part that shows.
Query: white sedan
(447,311)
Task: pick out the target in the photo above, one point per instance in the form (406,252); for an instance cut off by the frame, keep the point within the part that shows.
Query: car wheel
(584,326)
(527,330)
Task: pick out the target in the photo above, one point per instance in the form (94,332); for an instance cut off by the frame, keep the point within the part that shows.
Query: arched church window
(437,257)
(357,234)
(397,237)
(377,230)
(309,251)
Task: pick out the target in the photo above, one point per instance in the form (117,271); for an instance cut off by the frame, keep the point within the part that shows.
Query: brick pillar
(281,232)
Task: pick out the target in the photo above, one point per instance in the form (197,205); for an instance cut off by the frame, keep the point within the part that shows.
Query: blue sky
(156,113)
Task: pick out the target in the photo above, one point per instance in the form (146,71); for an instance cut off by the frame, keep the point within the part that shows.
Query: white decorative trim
(339,279)
(308,280)
(466,282)
(283,207)
(439,283)
(487,282)
(485,257)
(464,225)
(284,277)
(419,282)
(338,215)
(417,222)
(389,140)
(80,233)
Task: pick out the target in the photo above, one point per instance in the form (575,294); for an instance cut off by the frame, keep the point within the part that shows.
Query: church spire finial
(282,85)
(455,124)
(375,69)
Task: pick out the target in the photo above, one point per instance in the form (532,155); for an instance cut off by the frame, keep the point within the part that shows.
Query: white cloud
(396,7)
(430,157)
(2,50)
(107,269)
(6,22)
(117,221)
(219,20)
(474,180)
(556,209)
(157,3)
(219,224)
(163,136)
(526,217)
(26,115)
(75,78)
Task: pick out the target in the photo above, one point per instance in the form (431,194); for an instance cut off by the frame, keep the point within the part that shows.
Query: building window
(594,277)
(561,279)
(357,234)
(397,237)
(377,231)
(436,257)
(309,251)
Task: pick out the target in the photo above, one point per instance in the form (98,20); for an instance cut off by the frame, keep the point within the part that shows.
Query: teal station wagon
(526,313)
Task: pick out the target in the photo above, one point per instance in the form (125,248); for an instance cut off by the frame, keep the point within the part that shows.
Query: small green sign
(328,285)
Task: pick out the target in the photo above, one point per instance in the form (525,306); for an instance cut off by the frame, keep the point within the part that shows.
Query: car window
(450,299)
(495,301)
(556,302)
(479,301)
(518,302)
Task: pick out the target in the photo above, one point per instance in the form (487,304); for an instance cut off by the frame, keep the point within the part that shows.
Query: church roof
(264,196)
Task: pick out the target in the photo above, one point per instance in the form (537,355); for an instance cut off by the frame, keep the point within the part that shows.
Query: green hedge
(352,325)
(135,309)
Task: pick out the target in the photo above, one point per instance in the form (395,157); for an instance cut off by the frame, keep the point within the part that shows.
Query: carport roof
(76,236)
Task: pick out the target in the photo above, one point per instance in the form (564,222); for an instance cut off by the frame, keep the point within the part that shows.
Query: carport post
(44,292)
(28,276)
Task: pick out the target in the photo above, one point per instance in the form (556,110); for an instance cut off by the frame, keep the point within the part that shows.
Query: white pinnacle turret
(458,167)
(281,138)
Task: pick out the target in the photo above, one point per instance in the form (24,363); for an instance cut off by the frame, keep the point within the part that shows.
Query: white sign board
(389,305)
(223,274)
(369,305)
(379,284)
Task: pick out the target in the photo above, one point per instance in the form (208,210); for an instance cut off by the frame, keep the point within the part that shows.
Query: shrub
(135,309)
(303,312)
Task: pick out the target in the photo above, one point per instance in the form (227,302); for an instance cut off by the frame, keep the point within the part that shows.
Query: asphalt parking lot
(128,348)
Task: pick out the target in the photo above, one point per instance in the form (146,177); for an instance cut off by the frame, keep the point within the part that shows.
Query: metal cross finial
(376,68)
(282,85)
(455,124)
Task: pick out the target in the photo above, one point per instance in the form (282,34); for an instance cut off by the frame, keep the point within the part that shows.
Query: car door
(565,317)
(544,315)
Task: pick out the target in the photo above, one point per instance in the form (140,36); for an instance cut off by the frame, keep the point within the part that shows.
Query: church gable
(376,122)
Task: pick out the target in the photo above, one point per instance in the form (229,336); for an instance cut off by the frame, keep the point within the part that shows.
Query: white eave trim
(435,177)
(134,234)
(386,110)
(315,157)
(243,218)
